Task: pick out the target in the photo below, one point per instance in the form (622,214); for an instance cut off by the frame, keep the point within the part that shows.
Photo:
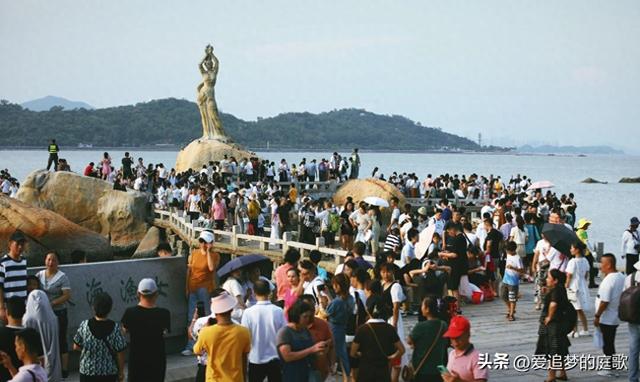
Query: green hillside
(177,122)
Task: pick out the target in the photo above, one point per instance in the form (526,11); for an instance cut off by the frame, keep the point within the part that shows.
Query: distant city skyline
(545,72)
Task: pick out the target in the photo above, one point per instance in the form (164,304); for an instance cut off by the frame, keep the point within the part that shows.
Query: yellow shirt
(293,194)
(226,347)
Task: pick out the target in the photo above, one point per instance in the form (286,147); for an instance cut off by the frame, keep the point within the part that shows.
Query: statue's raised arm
(216,63)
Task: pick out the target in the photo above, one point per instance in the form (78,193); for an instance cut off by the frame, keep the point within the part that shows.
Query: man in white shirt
(263,320)
(312,283)
(631,244)
(438,221)
(409,249)
(138,184)
(395,214)
(633,279)
(607,303)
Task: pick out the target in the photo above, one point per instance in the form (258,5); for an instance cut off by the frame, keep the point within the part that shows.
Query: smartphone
(443,369)
(200,308)
(321,287)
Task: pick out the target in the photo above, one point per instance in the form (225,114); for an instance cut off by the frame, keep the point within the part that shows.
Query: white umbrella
(424,241)
(541,184)
(376,201)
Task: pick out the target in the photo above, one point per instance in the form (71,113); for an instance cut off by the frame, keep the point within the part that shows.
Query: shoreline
(173,148)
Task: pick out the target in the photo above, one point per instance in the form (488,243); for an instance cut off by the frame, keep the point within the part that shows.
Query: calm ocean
(609,206)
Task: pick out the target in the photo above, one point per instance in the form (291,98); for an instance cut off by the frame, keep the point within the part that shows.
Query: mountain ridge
(47,102)
(177,122)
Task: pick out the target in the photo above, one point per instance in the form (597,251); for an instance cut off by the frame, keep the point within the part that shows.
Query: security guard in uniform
(53,155)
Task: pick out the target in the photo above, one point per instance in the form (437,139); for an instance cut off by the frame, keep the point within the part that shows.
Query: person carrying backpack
(629,311)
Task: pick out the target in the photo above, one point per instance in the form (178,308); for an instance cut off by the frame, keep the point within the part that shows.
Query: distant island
(174,122)
(46,103)
(573,150)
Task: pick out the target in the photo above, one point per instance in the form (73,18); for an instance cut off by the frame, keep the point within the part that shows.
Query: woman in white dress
(519,236)
(275,221)
(577,285)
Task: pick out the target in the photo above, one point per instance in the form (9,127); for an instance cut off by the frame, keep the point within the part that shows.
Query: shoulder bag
(409,372)
(375,336)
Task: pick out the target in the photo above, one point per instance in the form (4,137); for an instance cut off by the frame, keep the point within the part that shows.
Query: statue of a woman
(211,123)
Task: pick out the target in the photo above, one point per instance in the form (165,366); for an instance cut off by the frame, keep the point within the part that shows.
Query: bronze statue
(211,123)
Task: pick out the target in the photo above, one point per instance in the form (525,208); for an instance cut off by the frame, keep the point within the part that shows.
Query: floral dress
(98,356)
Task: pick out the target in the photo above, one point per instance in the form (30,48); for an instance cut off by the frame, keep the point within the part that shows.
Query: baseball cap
(18,236)
(147,287)
(422,211)
(458,326)
(206,236)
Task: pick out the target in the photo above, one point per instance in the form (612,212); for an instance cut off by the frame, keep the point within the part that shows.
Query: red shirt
(320,331)
(88,170)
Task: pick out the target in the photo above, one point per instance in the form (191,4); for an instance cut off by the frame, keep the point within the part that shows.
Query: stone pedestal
(201,151)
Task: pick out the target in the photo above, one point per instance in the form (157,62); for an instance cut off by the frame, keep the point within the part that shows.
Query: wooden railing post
(286,238)
(235,230)
(264,245)
(319,242)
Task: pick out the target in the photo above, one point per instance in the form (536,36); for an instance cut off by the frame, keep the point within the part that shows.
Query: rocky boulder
(359,189)
(630,180)
(148,245)
(47,230)
(592,181)
(202,151)
(92,203)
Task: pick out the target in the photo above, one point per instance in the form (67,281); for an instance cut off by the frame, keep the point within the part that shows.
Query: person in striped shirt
(13,272)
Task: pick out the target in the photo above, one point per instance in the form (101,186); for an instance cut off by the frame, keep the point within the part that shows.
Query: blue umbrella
(240,262)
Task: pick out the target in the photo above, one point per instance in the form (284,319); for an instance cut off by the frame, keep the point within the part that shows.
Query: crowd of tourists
(8,184)
(305,323)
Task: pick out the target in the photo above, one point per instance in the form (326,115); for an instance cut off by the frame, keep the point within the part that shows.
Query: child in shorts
(511,279)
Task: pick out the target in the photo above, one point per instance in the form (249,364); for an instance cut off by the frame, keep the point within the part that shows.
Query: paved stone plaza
(491,333)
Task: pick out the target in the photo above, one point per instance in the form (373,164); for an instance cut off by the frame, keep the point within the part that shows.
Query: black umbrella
(559,236)
(240,262)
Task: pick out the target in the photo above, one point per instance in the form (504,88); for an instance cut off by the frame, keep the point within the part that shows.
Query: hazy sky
(559,72)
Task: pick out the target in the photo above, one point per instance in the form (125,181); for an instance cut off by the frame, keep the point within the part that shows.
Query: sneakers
(187,352)
(584,333)
(608,373)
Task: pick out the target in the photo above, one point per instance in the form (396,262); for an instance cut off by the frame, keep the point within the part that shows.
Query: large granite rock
(92,203)
(359,189)
(48,230)
(592,181)
(630,180)
(149,244)
(201,151)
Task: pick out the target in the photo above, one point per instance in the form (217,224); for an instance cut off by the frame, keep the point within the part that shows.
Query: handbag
(409,372)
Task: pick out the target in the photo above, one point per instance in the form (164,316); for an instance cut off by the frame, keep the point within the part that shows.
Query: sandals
(511,318)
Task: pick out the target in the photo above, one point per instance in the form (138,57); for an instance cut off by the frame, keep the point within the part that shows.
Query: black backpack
(629,309)
(568,318)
